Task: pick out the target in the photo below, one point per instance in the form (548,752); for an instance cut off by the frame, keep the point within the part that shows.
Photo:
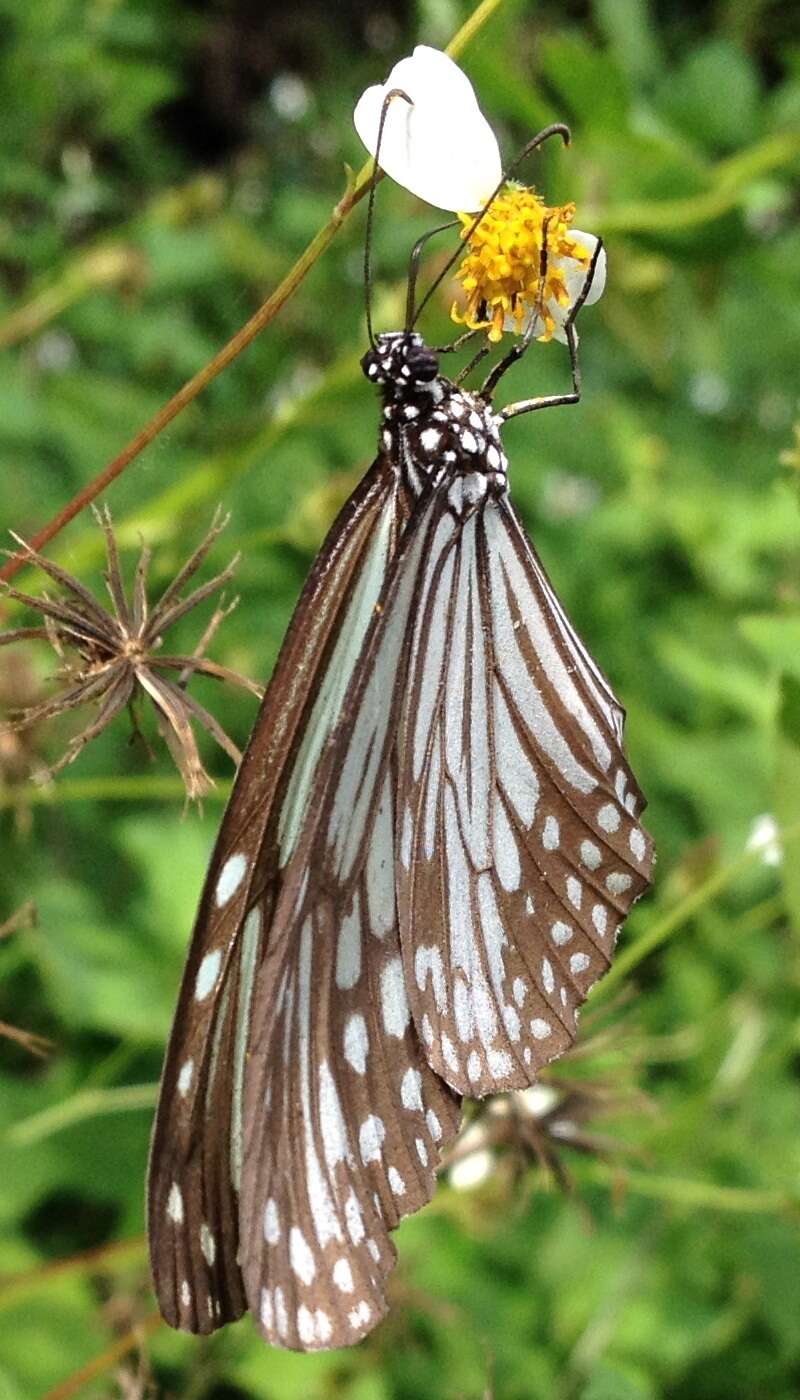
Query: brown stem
(75,1383)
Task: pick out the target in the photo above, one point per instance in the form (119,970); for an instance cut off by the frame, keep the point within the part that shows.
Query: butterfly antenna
(413,267)
(555,129)
(376,175)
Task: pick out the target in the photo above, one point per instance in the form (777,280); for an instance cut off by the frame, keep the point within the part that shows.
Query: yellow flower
(523,261)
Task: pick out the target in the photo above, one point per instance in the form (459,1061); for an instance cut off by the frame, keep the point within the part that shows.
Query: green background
(161,166)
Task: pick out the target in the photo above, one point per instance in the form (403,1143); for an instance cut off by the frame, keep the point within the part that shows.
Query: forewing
(519,846)
(196,1151)
(344,1117)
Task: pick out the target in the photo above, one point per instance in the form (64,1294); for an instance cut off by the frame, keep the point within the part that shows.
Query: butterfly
(431,843)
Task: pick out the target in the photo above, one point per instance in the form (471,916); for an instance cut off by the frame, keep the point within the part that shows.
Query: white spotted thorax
(432,428)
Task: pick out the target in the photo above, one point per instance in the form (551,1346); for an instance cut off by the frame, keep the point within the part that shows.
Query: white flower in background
(440,146)
(765,837)
(475,1160)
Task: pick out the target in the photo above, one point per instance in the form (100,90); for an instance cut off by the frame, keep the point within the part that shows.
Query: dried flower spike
(109,656)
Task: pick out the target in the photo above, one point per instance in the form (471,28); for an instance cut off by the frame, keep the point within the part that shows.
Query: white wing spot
(427,1029)
(608,817)
(343,1275)
(374,1250)
(449,1054)
(468,441)
(300,1256)
(540,1029)
(511,1022)
(266,1309)
(186,1293)
(323,1326)
(551,834)
(422,1152)
(617,882)
(499,1063)
(394,1002)
(591,855)
(272,1224)
(361,1315)
(230,878)
(630,803)
(561,933)
(463,1009)
(620,783)
(281,1315)
(474,1067)
(526,1054)
(519,991)
(600,918)
(396,1182)
(356,1042)
(305,1324)
(637,843)
(175,1204)
(355,1222)
(185,1078)
(370,1138)
(430,439)
(348,948)
(574,891)
(207,975)
(434,1126)
(529,907)
(548,980)
(208,1245)
(408,836)
(578,962)
(410,1090)
(429,960)
(563,993)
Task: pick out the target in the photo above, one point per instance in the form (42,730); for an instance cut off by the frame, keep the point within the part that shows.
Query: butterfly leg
(513,410)
(550,400)
(413,272)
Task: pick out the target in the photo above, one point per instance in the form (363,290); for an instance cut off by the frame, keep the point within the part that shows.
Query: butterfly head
(402,360)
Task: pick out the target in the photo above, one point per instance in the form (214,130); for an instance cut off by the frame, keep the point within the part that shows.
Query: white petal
(441,148)
(574,278)
(575,273)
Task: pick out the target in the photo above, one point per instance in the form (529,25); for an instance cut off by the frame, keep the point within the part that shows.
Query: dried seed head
(110,656)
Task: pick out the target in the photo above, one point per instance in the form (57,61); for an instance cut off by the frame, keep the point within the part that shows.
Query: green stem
(89,1103)
(704,1195)
(127,789)
(664,929)
(729,178)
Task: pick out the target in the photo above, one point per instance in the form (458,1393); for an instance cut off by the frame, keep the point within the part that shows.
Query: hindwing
(519,850)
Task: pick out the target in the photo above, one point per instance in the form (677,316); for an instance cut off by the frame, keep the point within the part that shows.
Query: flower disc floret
(522,261)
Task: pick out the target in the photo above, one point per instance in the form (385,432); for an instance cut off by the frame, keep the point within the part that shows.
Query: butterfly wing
(344,1118)
(519,846)
(195,1157)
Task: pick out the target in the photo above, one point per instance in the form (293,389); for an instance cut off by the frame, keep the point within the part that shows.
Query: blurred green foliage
(161,166)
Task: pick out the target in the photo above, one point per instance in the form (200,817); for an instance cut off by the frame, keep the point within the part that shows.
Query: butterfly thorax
(431,427)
